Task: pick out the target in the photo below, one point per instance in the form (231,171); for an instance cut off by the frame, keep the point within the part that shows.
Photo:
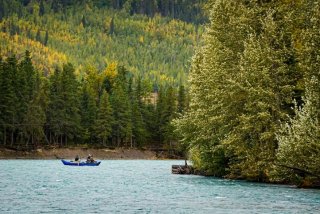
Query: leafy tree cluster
(83,33)
(107,108)
(256,60)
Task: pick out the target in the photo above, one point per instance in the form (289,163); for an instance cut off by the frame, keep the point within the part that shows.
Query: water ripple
(138,186)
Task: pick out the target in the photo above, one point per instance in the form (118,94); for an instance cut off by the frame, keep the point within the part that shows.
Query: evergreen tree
(38,36)
(46,38)
(42,9)
(104,121)
(55,110)
(182,99)
(161,115)
(84,21)
(139,131)
(88,112)
(169,115)
(63,108)
(25,89)
(71,105)
(111,28)
(35,120)
(122,127)
(10,102)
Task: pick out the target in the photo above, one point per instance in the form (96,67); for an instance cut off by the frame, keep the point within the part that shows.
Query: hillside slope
(158,48)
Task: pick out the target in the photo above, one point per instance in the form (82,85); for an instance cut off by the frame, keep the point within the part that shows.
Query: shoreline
(70,153)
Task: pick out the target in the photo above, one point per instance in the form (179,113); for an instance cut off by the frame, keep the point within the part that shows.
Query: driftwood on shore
(182,169)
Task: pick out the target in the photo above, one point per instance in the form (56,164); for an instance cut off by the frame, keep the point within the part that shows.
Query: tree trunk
(50,139)
(27,142)
(5,136)
(11,138)
(118,140)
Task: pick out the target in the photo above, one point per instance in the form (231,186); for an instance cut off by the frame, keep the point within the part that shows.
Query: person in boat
(77,158)
(90,159)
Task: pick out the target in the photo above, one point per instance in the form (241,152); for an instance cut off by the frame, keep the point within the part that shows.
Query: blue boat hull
(71,163)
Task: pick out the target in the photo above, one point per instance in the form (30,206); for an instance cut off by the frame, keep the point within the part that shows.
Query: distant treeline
(186,10)
(110,108)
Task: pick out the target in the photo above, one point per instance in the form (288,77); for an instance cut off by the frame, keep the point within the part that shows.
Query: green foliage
(88,111)
(104,121)
(22,117)
(243,80)
(299,139)
(122,127)
(156,48)
(64,106)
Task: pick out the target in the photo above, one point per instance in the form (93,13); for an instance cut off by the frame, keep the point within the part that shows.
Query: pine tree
(122,127)
(104,121)
(139,132)
(35,119)
(88,112)
(46,38)
(111,28)
(42,9)
(161,108)
(55,110)
(38,36)
(182,99)
(71,105)
(10,102)
(170,114)
(63,108)
(84,21)
(25,91)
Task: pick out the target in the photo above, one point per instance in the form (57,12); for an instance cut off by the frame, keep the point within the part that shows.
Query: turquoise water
(138,186)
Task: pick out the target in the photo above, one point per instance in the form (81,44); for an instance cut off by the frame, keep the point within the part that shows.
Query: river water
(138,186)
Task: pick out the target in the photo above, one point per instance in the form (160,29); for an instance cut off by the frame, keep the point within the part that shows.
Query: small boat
(74,163)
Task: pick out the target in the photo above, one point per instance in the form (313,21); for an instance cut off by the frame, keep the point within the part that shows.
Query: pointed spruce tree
(103,124)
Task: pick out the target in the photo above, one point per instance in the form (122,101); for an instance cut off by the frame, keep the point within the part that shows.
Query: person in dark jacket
(90,159)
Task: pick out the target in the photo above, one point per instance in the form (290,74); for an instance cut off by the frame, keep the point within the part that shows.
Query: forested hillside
(95,73)
(254,88)
(93,33)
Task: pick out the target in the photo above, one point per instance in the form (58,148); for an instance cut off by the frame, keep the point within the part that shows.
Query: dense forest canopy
(94,73)
(113,108)
(89,33)
(254,88)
